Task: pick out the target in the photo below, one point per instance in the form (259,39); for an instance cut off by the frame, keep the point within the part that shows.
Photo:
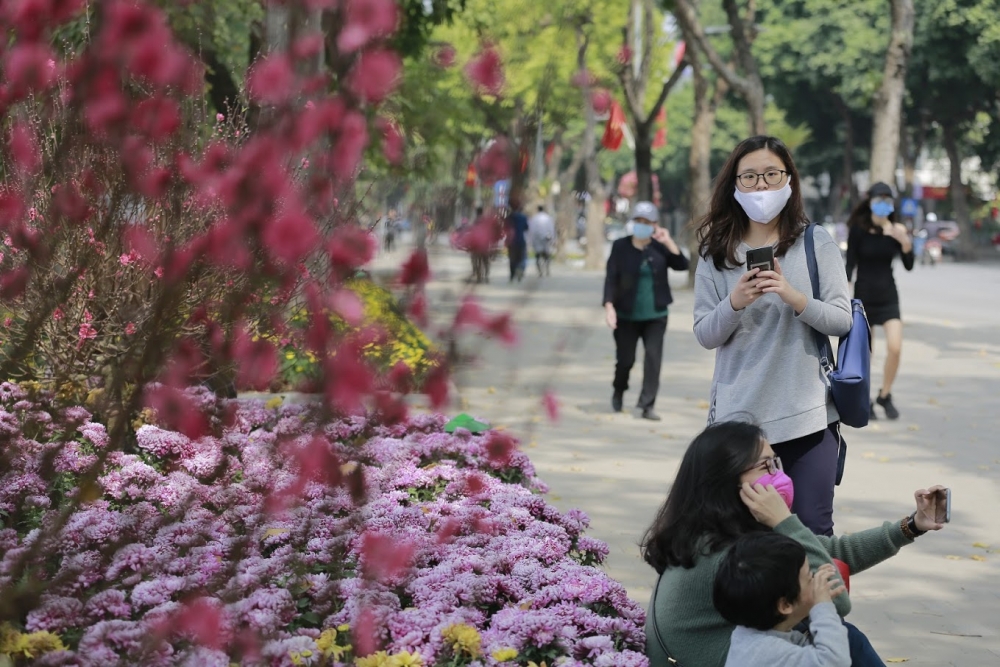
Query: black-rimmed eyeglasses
(772,463)
(771,177)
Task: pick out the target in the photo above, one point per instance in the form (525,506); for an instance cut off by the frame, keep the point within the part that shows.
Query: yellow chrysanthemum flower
(327,643)
(380,659)
(463,639)
(504,654)
(405,659)
(29,645)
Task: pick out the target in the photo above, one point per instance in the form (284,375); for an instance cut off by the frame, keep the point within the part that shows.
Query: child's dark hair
(759,571)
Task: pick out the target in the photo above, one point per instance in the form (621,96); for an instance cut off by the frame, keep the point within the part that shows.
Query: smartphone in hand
(760,258)
(942,506)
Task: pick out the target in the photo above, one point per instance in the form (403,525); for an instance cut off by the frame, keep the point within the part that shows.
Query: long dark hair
(703,512)
(861,216)
(722,229)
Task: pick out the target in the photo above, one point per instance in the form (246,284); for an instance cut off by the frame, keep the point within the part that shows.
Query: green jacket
(698,636)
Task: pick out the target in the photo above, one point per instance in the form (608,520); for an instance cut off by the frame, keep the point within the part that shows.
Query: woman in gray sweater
(760,321)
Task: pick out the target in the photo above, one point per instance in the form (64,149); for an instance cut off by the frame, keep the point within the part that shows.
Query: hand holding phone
(760,258)
(933,508)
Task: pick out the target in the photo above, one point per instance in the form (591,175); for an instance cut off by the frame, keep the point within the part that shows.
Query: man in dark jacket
(636,300)
(517,240)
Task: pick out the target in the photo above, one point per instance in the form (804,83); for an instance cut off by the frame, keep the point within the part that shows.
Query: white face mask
(763,206)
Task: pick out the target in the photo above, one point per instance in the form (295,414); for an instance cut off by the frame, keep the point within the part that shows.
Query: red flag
(679,51)
(613,133)
(660,140)
(549,150)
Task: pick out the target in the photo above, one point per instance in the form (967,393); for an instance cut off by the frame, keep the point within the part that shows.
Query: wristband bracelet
(909,527)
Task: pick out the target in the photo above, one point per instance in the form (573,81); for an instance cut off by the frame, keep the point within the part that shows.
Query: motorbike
(932,252)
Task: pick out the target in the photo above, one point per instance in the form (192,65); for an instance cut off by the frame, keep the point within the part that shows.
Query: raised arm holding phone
(731,483)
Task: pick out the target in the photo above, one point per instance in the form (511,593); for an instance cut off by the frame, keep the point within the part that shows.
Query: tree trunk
(889,98)
(699,159)
(834,200)
(749,86)
(567,210)
(595,205)
(644,162)
(754,97)
(752,90)
(959,203)
(276,28)
(847,175)
(910,145)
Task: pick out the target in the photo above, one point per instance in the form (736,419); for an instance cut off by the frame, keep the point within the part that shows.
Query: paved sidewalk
(936,603)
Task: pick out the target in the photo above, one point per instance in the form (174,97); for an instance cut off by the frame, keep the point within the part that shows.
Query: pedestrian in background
(541,237)
(390,226)
(480,256)
(636,299)
(875,240)
(760,322)
(517,240)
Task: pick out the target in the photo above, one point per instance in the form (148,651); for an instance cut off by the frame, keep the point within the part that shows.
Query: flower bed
(373,309)
(280,543)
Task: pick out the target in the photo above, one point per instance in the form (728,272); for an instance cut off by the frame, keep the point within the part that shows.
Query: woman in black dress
(875,239)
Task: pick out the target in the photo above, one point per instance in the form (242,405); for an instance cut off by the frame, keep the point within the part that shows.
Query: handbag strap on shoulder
(822,342)
(656,627)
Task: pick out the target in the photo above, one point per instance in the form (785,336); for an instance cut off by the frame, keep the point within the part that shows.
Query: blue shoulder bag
(850,379)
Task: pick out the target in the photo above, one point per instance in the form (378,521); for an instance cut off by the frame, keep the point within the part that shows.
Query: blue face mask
(883,209)
(641,230)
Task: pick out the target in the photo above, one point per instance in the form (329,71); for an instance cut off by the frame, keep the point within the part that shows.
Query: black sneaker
(872,416)
(616,401)
(890,410)
(650,415)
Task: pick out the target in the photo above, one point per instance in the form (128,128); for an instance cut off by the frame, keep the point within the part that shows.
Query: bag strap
(822,342)
(656,627)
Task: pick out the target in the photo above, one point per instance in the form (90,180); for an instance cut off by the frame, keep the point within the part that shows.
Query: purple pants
(811,462)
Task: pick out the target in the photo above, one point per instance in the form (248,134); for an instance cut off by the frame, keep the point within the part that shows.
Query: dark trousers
(862,652)
(518,255)
(480,267)
(811,462)
(627,336)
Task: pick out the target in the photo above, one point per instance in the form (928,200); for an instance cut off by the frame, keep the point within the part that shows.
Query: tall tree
(594,184)
(946,85)
(821,62)
(635,75)
(889,99)
(745,78)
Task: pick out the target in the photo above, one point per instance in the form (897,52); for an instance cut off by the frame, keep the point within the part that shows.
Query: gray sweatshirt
(827,646)
(766,359)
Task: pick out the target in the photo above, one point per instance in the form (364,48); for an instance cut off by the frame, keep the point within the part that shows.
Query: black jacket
(623,273)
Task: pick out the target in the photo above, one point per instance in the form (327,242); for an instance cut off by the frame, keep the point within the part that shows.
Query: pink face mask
(781,482)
